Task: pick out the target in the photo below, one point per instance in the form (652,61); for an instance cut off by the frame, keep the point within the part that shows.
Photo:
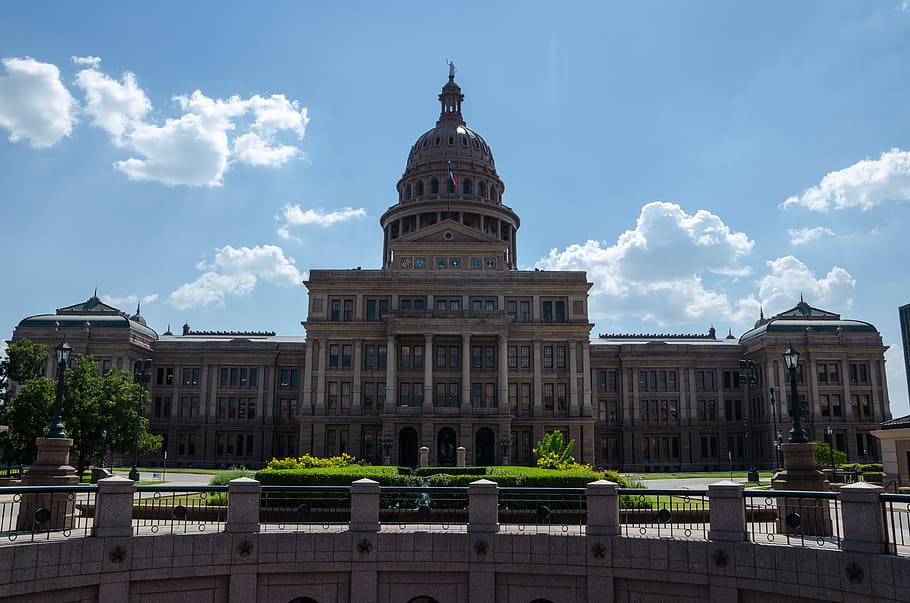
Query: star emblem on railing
(245,548)
(481,547)
(599,550)
(720,558)
(364,546)
(117,554)
(854,573)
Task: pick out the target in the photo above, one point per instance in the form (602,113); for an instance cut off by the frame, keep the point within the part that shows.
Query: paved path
(688,483)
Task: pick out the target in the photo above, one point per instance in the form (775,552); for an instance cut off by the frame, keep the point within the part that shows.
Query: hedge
(335,476)
(424,471)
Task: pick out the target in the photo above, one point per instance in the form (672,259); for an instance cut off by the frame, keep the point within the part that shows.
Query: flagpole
(448,194)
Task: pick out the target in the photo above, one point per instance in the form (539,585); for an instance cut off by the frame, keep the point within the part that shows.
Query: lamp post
(774,419)
(504,445)
(797,433)
(55,427)
(779,440)
(747,375)
(387,448)
(140,375)
(830,431)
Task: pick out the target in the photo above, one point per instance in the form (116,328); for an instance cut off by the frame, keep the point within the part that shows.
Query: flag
(453,179)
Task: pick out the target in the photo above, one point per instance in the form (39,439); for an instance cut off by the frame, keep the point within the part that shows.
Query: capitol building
(448,344)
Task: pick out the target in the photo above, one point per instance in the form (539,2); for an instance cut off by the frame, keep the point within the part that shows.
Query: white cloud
(897,378)
(34,104)
(294,216)
(254,150)
(113,106)
(90,62)
(903,6)
(656,271)
(128,302)
(864,184)
(803,236)
(236,271)
(789,278)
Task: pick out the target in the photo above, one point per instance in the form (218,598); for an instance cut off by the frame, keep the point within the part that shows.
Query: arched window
(434,186)
(419,187)
(493,193)
(466,186)
(407,192)
(482,190)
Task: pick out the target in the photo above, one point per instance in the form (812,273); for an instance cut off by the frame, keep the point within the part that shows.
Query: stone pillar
(503,374)
(243,505)
(863,520)
(51,468)
(319,402)
(587,402)
(114,507)
(391,377)
(727,512)
(428,360)
(364,506)
(466,401)
(483,507)
(459,456)
(424,456)
(602,502)
(800,474)
(574,408)
(307,382)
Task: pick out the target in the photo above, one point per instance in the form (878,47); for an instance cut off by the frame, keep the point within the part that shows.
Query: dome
(451,144)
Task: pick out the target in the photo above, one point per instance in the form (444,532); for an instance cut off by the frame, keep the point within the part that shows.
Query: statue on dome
(451,69)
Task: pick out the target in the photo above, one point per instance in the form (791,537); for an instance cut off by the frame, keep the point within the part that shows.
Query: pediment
(448,231)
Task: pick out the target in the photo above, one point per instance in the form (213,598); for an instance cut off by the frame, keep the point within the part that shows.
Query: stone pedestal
(424,456)
(459,456)
(800,474)
(51,468)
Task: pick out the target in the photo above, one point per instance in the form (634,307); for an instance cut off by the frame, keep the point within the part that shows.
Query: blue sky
(698,159)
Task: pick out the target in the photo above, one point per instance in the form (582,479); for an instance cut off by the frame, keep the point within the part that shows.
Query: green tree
(823,455)
(24,361)
(98,411)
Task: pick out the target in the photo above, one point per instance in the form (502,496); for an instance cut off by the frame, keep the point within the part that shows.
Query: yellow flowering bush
(308,461)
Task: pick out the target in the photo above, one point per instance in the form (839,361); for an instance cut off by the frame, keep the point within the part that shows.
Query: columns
(320,377)
(428,359)
(391,376)
(503,374)
(574,406)
(466,371)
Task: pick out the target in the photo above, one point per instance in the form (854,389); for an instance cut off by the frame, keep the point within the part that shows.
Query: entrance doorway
(407,447)
(445,447)
(484,447)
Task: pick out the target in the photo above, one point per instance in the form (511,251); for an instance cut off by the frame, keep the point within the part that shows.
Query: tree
(552,453)
(823,455)
(24,361)
(98,411)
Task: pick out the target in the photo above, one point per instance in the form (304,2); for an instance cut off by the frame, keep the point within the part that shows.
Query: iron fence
(416,507)
(667,513)
(46,512)
(543,510)
(179,509)
(793,517)
(304,508)
(896,509)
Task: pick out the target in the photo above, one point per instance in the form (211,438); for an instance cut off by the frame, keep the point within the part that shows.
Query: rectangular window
(525,396)
(333,355)
(454,354)
(332,398)
(476,356)
(561,396)
(822,373)
(561,357)
(368,394)
(383,308)
(349,310)
(405,357)
(346,354)
(418,356)
(524,311)
(346,395)
(548,311)
(371,310)
(526,358)
(369,357)
(417,393)
(454,391)
(513,397)
(512,310)
(490,357)
(440,394)
(335,314)
(548,357)
(476,393)
(404,394)
(513,357)
(489,397)
(381,356)
(548,396)
(380,393)
(560,308)
(440,356)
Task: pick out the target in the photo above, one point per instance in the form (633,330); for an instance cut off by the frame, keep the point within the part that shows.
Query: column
(428,359)
(602,502)
(306,401)
(466,371)
(587,401)
(503,375)
(727,512)
(538,386)
(243,505)
(356,386)
(863,520)
(574,406)
(320,377)
(114,507)
(391,376)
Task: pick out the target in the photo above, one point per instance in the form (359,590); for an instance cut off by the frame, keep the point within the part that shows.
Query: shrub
(307,461)
(335,476)
(823,455)
(552,453)
(451,470)
(223,477)
(873,476)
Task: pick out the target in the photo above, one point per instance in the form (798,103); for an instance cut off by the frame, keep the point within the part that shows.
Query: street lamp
(797,434)
(830,431)
(504,444)
(387,448)
(55,427)
(777,443)
(140,375)
(747,375)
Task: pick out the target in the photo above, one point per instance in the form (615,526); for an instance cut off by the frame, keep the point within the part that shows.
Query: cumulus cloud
(293,215)
(193,148)
(112,106)
(236,271)
(788,278)
(126,302)
(34,104)
(656,272)
(864,184)
(803,236)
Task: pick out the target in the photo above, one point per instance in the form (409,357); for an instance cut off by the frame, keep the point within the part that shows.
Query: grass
(717,474)
(174,470)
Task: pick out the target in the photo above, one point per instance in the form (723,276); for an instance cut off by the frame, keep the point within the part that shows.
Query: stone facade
(448,344)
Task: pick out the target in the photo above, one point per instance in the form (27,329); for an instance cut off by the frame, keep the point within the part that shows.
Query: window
(548,357)
(288,378)
(346,395)
(475,263)
(349,309)
(376,309)
(513,397)
(369,357)
(346,351)
(857,373)
(548,396)
(189,407)
(476,393)
(561,396)
(335,313)
(490,357)
(434,185)
(440,356)
(489,395)
(561,357)
(331,402)
(162,406)
(513,357)
(476,356)
(165,376)
(368,395)
(525,401)
(490,264)
(440,265)
(454,354)
(704,381)
(333,355)
(381,356)
(554,311)
(404,394)
(418,356)
(186,443)
(405,357)
(287,410)
(191,376)
(606,380)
